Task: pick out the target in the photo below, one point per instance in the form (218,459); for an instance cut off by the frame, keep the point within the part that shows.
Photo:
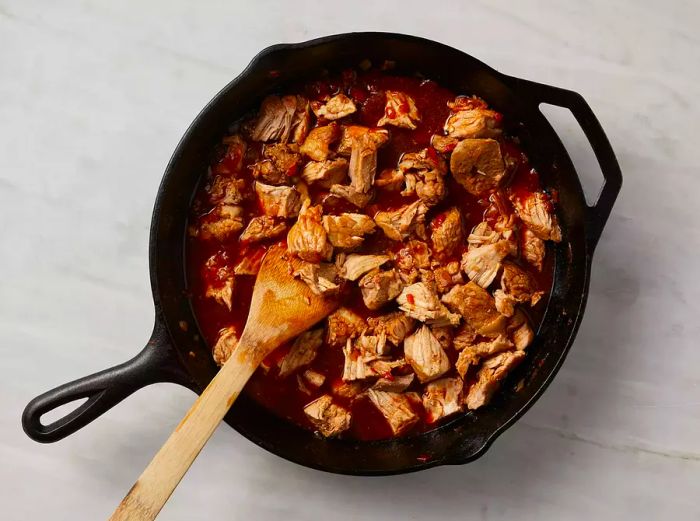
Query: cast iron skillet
(179,355)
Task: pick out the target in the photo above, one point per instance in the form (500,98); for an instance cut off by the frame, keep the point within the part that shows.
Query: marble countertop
(94,95)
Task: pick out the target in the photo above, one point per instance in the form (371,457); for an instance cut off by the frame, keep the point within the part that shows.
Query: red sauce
(283,396)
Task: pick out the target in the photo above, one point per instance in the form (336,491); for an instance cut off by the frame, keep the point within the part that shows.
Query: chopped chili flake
(411,299)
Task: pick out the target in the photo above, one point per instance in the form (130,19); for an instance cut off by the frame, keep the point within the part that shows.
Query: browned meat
(477,307)
(444,335)
(473,123)
(278,201)
(226,190)
(447,233)
(396,326)
(477,165)
(505,304)
(537,213)
(263,227)
(303,351)
(220,285)
(412,260)
(222,293)
(396,408)
(399,224)
(483,234)
(337,107)
(442,398)
(348,390)
(489,378)
(343,324)
(481,264)
(313,378)
(301,122)
(380,287)
(354,266)
(347,230)
(444,144)
(471,354)
(235,152)
(307,238)
(394,384)
(318,142)
(533,248)
(225,344)
(356,367)
(274,121)
(330,419)
(520,331)
(390,179)
(372,347)
(351,195)
(280,163)
(418,302)
(464,336)
(447,276)
(384,366)
(363,164)
(400,111)
(425,354)
(519,284)
(321,278)
(354,132)
(222,223)
(325,173)
(424,175)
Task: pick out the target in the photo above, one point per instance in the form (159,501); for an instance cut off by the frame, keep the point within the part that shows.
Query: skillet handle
(600,211)
(157,362)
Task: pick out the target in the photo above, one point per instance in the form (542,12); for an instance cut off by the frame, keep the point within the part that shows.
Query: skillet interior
(468,436)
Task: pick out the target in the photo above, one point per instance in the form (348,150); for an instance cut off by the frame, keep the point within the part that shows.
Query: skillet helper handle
(600,211)
(103,390)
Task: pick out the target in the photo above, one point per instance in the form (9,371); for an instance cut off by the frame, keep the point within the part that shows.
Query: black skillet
(176,352)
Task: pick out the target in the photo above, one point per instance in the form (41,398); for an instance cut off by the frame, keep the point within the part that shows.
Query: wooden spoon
(282,307)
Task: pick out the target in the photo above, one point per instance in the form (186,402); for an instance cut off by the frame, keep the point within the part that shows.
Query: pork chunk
(307,238)
(356,367)
(489,378)
(399,224)
(481,264)
(519,284)
(396,326)
(235,152)
(347,231)
(464,336)
(520,331)
(274,121)
(396,408)
(317,144)
(533,248)
(321,278)
(355,265)
(412,260)
(330,419)
(380,287)
(447,232)
(471,354)
(222,223)
(477,307)
(363,164)
(343,324)
(400,111)
(263,227)
(425,354)
(390,179)
(303,351)
(447,276)
(301,122)
(352,133)
(280,163)
(444,335)
(278,201)
(372,347)
(220,279)
(442,398)
(418,302)
(473,123)
(351,195)
(477,165)
(337,107)
(444,144)
(537,213)
(394,384)
(225,344)
(325,173)
(226,190)
(483,234)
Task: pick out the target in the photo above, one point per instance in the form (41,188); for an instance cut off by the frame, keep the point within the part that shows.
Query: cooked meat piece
(396,326)
(250,262)
(318,142)
(520,331)
(348,193)
(390,179)
(464,336)
(343,324)
(372,347)
(319,277)
(446,232)
(422,161)
(444,335)
(394,384)
(355,266)
(425,354)
(303,351)
(396,408)
(356,367)
(471,354)
(477,165)
(400,111)
(313,378)
(353,132)
(301,121)
(519,284)
(330,419)
(483,234)
(427,277)
(278,201)
(226,190)
(222,293)
(220,279)
(337,107)
(235,152)
(280,163)
(263,227)
(424,175)
(325,173)
(348,390)
(418,302)
(222,223)
(474,123)
(443,144)
(274,121)
(533,248)
(363,164)
(307,238)
(412,259)
(225,344)
(537,213)
(442,398)
(347,230)
(384,366)
(380,287)
(477,307)
(492,372)
(505,304)
(430,187)
(481,264)
(399,224)
(265,171)
(447,276)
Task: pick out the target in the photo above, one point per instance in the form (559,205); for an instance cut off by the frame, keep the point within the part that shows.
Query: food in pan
(413,207)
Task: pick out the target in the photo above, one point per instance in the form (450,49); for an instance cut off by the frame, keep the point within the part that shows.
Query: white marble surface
(95,95)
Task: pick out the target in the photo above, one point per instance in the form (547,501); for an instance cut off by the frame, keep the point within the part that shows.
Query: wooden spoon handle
(168,466)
